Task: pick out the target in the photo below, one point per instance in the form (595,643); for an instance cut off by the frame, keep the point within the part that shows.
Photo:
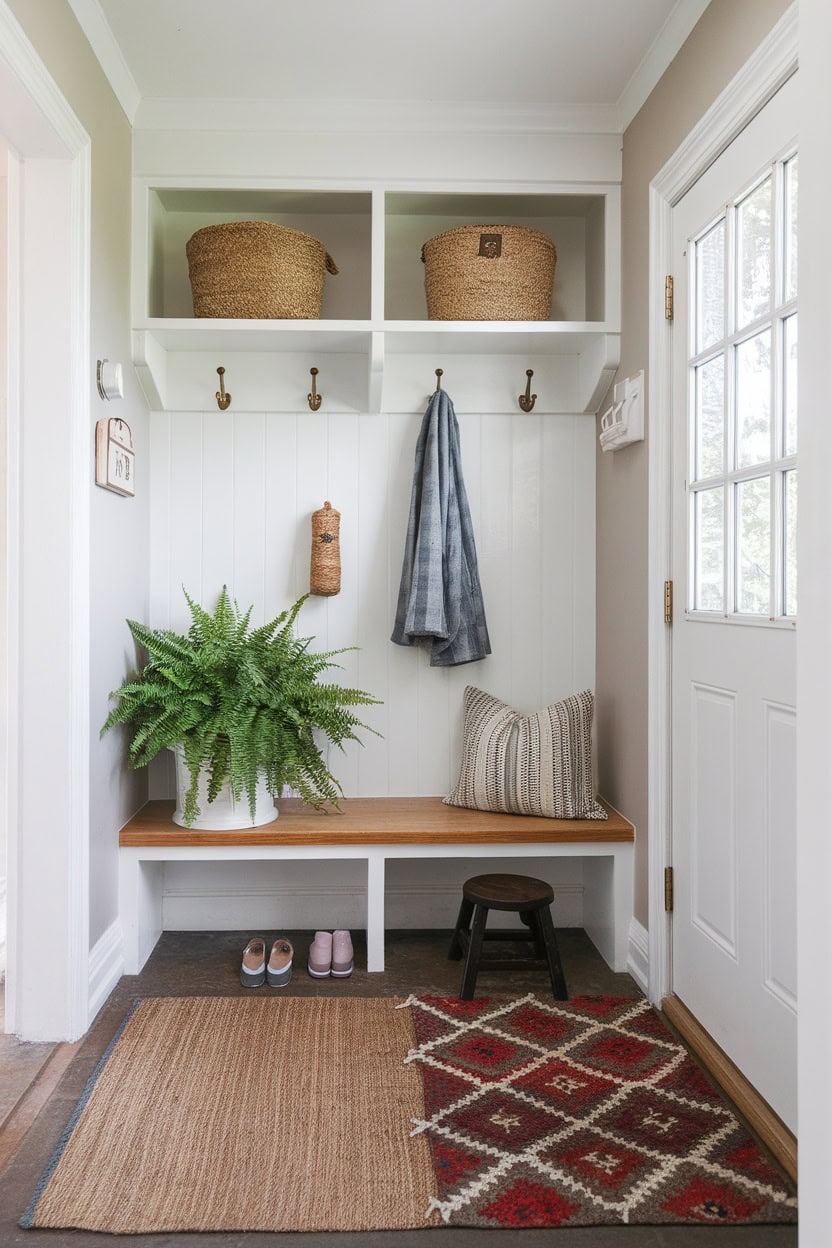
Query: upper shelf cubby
(341,220)
(575,224)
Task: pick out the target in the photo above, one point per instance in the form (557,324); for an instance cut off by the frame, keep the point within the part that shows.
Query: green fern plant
(240,702)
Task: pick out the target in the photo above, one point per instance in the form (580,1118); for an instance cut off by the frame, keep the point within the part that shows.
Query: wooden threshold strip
(759,1115)
(20,1118)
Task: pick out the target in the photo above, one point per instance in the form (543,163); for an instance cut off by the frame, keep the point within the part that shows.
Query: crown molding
(661,52)
(382,116)
(91,19)
(373,116)
(63,133)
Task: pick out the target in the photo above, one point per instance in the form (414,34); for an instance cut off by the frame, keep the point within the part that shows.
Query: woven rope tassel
(325,571)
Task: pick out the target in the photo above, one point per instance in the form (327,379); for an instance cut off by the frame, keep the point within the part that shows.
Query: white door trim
(48,136)
(774,61)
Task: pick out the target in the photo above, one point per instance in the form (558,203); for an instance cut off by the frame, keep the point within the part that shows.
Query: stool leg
(472,962)
(462,922)
(547,932)
(528,917)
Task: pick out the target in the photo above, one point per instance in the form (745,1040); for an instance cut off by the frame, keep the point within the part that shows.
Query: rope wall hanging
(325,571)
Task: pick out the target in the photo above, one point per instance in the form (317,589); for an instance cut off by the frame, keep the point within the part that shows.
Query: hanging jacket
(440,599)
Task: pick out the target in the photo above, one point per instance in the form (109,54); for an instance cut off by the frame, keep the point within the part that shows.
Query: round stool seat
(508,892)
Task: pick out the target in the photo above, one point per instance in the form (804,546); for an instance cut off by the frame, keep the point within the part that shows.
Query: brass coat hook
(439,372)
(223,397)
(527,400)
(313,398)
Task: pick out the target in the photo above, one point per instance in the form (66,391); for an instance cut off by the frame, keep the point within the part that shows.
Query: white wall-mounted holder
(110,380)
(623,423)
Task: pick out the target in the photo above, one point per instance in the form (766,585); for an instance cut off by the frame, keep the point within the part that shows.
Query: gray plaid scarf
(440,597)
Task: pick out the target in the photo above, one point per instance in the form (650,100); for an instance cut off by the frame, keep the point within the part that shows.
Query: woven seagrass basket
(325,565)
(257,270)
(489,273)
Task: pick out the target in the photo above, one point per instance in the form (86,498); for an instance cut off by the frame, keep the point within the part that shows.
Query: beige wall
(721,42)
(119,537)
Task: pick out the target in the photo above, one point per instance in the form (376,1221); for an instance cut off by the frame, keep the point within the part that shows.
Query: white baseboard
(106,967)
(637,954)
(270,907)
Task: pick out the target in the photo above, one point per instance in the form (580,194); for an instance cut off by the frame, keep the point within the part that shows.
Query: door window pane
(710,287)
(709,562)
(790,277)
(754,400)
(710,418)
(790,543)
(754,546)
(790,384)
(754,254)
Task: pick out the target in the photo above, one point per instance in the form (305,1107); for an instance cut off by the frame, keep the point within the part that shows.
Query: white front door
(734,573)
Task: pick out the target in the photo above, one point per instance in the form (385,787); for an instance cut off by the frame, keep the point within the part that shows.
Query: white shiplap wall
(231,501)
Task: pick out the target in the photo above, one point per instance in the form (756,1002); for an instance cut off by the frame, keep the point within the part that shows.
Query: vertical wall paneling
(403,723)
(343,609)
(373,594)
(526,583)
(558,552)
(248,510)
(582,585)
(232,498)
(159,484)
(185,561)
(219,491)
(283,578)
(494,543)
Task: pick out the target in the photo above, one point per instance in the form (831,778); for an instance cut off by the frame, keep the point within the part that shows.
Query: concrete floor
(206,963)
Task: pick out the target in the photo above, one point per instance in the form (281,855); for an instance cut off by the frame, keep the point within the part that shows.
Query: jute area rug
(298,1114)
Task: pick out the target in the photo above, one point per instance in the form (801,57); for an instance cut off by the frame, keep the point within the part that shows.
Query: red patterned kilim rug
(580,1113)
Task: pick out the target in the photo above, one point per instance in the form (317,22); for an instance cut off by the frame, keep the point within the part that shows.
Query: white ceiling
(596,57)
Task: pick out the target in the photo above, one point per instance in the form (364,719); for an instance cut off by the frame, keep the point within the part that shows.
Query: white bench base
(607,866)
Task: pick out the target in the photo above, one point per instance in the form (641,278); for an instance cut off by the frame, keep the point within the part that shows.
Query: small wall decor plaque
(115,458)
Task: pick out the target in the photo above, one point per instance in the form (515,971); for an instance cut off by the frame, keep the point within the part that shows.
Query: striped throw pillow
(537,764)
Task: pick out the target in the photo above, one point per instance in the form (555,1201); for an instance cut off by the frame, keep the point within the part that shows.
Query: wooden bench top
(379,821)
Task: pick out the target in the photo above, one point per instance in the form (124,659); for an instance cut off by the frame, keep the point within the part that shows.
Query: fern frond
(243,703)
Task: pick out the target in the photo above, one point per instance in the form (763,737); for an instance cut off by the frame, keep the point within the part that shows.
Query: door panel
(733,675)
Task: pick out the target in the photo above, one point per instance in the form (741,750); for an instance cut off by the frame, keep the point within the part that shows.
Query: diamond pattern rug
(579,1113)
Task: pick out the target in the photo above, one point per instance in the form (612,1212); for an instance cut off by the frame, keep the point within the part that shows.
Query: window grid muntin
(780,308)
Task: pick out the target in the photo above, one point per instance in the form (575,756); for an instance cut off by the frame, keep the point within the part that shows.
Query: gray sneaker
(253,970)
(279,970)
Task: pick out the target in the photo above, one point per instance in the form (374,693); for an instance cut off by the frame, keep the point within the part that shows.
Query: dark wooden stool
(517,894)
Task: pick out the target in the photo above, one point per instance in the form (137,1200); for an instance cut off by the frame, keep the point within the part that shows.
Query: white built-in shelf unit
(374,345)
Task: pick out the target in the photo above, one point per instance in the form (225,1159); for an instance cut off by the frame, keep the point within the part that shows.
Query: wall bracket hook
(527,400)
(223,397)
(313,398)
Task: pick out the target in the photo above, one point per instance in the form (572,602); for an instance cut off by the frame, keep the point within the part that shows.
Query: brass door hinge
(668,298)
(668,602)
(668,889)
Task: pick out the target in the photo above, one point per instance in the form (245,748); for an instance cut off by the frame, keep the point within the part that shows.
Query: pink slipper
(320,955)
(342,956)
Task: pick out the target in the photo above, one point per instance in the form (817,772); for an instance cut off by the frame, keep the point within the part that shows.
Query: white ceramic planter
(225,811)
